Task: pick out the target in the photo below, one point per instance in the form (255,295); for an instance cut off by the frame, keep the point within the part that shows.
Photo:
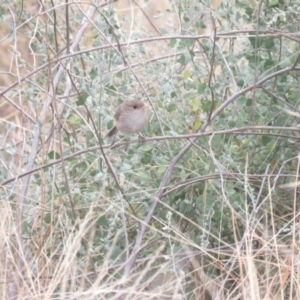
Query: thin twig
(159,138)
(147,40)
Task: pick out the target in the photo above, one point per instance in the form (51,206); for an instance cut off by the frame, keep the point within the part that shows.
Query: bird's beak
(145,107)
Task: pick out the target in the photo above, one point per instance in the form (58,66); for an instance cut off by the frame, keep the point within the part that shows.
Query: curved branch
(159,193)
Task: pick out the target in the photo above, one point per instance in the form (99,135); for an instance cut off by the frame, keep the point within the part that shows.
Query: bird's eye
(134,106)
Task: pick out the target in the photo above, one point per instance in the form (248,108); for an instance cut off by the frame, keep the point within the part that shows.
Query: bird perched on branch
(131,117)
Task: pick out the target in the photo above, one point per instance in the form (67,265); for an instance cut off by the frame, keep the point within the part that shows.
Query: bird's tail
(112,132)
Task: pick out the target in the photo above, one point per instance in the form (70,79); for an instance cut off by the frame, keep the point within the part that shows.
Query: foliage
(73,206)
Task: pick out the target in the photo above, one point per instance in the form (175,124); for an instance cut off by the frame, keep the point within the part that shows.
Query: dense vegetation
(206,207)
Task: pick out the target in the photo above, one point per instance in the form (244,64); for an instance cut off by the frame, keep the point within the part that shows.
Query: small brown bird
(131,117)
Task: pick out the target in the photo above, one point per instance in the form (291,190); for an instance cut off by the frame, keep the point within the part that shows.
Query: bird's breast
(132,122)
